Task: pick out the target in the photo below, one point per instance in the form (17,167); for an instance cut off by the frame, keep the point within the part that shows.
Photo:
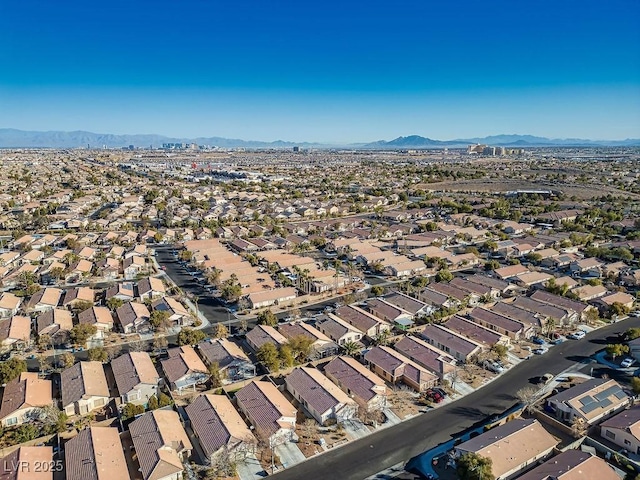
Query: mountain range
(12,138)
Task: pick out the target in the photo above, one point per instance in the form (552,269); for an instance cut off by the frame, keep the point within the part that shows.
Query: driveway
(250,469)
(289,454)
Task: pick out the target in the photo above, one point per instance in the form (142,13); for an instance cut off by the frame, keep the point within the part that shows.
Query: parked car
(635,314)
(493,366)
(546,378)
(558,340)
(627,362)
(577,335)
(538,341)
(540,351)
(434,396)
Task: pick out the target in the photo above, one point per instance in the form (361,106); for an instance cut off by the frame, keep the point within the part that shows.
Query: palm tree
(350,348)
(550,326)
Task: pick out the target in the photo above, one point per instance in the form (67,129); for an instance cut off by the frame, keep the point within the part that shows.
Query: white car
(577,335)
(540,351)
(627,362)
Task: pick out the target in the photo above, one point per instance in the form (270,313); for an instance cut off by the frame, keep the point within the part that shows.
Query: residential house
(499,323)
(161,444)
(45,299)
(184,369)
(150,287)
(319,396)
(233,363)
(78,295)
(261,334)
(461,348)
(28,456)
(16,329)
(23,397)
(512,446)
(621,298)
(368,324)
(590,267)
(99,316)
(476,332)
(360,383)
(124,291)
(132,267)
(623,429)
(408,304)
(219,428)
(558,313)
(322,345)
(268,411)
(131,316)
(54,320)
(390,313)
(590,401)
(338,330)
(84,388)
(96,453)
(136,377)
(267,298)
(177,312)
(395,367)
(9,304)
(570,465)
(426,355)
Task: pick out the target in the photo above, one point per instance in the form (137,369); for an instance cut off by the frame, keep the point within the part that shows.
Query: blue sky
(322,71)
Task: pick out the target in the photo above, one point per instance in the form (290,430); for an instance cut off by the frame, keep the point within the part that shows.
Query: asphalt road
(362,458)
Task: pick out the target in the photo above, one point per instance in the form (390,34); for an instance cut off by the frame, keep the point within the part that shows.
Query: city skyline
(334,74)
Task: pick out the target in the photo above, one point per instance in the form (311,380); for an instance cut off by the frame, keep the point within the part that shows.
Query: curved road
(362,458)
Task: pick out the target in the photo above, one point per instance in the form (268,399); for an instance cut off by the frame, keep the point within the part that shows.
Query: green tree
(217,376)
(350,348)
(11,369)
(66,360)
(130,410)
(500,351)
(444,276)
(26,433)
(159,320)
(114,303)
(189,336)
(377,290)
(164,400)
(267,317)
(632,333)
(472,466)
(153,402)
(287,358)
(491,265)
(81,305)
(269,356)
(618,309)
(82,332)
(615,349)
(98,354)
(301,347)
(220,331)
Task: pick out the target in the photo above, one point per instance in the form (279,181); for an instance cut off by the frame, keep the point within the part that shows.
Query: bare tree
(527,395)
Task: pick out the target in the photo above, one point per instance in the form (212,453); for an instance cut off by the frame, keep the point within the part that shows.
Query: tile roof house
(322,345)
(426,355)
(136,377)
(395,367)
(45,299)
(99,316)
(51,321)
(96,453)
(456,345)
(177,312)
(161,444)
(356,380)
(132,315)
(261,334)
(16,329)
(132,267)
(591,401)
(184,368)
(150,287)
(319,396)
(84,388)
(9,304)
(338,330)
(476,332)
(622,298)
(572,465)
(499,323)
(234,364)
(512,446)
(124,291)
(27,456)
(623,429)
(275,296)
(78,294)
(268,410)
(218,427)
(368,324)
(23,397)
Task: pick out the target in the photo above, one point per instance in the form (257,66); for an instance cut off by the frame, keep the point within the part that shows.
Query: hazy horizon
(333,74)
